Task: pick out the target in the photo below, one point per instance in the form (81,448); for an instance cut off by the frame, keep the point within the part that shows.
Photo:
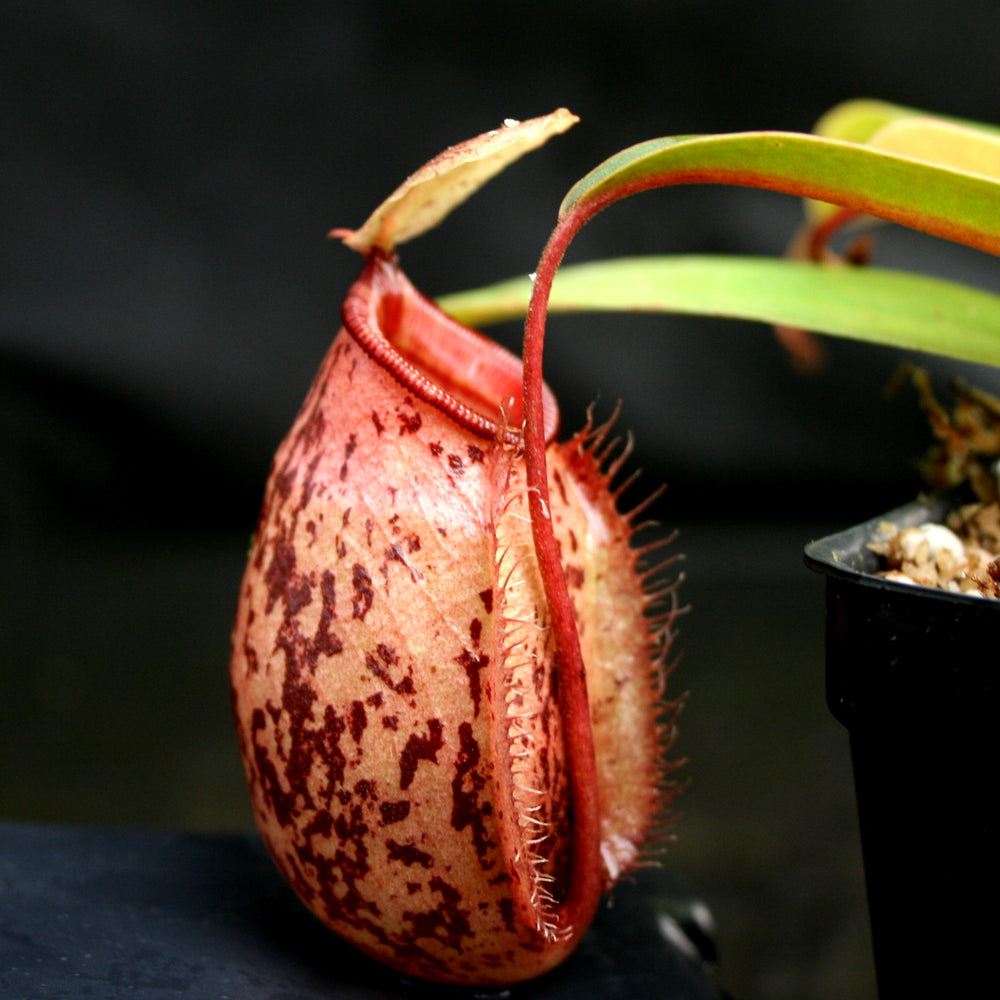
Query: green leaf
(942,200)
(881,306)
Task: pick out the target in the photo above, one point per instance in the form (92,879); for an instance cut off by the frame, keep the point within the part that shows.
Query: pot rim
(845,555)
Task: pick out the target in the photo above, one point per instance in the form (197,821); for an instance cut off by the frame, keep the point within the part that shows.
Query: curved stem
(586,884)
(818,244)
(812,180)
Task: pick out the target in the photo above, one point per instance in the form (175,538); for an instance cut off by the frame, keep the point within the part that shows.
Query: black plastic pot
(911,672)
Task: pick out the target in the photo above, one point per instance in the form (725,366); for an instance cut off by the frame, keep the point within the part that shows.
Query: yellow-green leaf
(965,146)
(858,120)
(430,194)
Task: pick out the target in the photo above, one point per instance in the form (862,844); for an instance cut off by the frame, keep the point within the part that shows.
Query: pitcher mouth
(470,378)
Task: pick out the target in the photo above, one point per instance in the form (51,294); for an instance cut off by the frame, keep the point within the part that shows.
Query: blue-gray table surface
(87,912)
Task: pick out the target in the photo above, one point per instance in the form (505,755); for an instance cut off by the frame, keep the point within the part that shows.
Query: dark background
(168,173)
